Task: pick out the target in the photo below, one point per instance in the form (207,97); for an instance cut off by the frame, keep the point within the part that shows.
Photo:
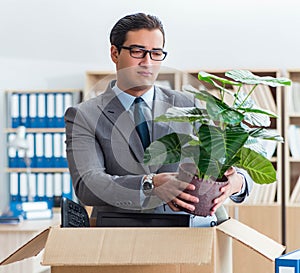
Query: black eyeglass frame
(145,52)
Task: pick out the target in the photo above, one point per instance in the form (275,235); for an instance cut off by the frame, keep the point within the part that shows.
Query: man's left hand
(235,184)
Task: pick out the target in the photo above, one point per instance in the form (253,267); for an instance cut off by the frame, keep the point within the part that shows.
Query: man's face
(136,76)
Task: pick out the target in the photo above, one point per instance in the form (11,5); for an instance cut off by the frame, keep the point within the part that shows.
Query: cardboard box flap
(252,238)
(30,249)
(129,246)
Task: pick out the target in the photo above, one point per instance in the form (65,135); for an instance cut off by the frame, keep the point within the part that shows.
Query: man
(104,145)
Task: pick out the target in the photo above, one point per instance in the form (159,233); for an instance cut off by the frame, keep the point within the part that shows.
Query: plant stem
(222,93)
(254,86)
(236,95)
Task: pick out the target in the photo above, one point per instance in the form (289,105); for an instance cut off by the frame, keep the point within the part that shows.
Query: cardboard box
(263,218)
(147,250)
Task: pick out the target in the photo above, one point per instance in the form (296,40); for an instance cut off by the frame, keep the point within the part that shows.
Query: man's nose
(146,59)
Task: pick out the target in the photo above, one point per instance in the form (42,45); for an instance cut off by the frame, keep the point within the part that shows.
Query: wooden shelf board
(37,130)
(43,90)
(38,170)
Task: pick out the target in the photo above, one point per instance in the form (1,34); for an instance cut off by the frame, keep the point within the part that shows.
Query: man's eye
(157,53)
(137,51)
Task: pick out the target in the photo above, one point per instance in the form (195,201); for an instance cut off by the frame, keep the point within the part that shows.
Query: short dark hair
(134,22)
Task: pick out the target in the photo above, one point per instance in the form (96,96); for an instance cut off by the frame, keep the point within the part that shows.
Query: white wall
(51,43)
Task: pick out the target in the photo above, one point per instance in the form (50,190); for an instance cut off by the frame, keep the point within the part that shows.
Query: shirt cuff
(243,189)
(142,195)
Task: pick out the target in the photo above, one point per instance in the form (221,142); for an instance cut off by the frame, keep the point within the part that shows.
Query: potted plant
(223,136)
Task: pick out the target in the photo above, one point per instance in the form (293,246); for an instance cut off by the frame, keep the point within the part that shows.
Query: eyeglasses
(140,53)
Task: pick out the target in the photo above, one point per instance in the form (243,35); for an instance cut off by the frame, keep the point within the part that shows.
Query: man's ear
(114,53)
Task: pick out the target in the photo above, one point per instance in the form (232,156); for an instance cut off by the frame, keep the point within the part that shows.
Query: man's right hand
(169,189)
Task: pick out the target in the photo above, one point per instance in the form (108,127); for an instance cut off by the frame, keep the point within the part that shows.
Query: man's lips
(145,73)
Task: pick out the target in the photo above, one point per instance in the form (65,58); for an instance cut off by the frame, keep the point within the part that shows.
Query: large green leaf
(204,95)
(218,110)
(222,145)
(221,112)
(256,119)
(254,141)
(259,168)
(211,167)
(184,114)
(259,111)
(209,78)
(266,134)
(167,149)
(245,76)
(255,145)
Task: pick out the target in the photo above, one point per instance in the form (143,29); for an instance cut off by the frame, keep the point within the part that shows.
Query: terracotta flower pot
(206,190)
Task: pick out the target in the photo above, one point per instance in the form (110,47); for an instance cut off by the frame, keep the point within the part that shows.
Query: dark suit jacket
(105,154)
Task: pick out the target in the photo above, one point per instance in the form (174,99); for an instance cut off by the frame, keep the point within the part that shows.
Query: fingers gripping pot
(206,190)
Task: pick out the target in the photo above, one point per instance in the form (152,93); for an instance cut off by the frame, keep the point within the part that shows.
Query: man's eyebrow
(135,45)
(140,46)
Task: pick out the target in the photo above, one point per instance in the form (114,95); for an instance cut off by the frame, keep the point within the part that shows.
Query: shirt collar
(127,100)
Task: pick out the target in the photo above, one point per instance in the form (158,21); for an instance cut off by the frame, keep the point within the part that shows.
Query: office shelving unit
(45,177)
(292,159)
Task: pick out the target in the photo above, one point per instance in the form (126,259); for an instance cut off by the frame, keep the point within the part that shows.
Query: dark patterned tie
(140,122)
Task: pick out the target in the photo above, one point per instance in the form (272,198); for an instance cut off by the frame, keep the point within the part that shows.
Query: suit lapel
(122,123)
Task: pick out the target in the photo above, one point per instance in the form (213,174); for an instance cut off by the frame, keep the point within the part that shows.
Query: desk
(14,236)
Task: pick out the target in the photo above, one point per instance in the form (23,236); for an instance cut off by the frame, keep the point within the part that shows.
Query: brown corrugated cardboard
(147,250)
(252,238)
(30,249)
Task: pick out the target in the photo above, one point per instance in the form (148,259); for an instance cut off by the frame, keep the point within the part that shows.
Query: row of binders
(262,194)
(45,150)
(294,98)
(295,195)
(38,187)
(294,143)
(39,110)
